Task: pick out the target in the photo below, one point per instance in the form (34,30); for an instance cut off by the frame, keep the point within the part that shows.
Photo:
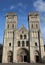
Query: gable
(23,30)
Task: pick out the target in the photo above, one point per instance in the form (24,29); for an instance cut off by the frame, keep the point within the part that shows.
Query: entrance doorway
(25,58)
(10,56)
(21,58)
(23,55)
(37,58)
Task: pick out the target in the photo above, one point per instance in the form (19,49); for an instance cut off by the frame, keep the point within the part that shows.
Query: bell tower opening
(34,21)
(34,27)
(11,21)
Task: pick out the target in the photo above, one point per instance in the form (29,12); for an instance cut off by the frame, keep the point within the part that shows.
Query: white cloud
(20,4)
(21,7)
(39,5)
(43,19)
(42,23)
(12,7)
(43,26)
(43,30)
(3,9)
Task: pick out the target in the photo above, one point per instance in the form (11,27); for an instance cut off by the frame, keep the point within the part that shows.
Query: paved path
(21,64)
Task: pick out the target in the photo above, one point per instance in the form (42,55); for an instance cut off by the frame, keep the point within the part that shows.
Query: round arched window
(35,43)
(10,44)
(24,36)
(21,36)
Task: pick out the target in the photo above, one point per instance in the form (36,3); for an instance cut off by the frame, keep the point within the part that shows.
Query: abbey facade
(22,45)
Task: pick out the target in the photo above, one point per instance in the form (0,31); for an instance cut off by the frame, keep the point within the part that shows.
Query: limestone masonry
(22,45)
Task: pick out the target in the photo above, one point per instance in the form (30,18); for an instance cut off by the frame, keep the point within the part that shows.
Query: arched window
(32,25)
(22,43)
(10,56)
(35,43)
(10,44)
(18,43)
(12,25)
(8,26)
(20,36)
(27,43)
(24,36)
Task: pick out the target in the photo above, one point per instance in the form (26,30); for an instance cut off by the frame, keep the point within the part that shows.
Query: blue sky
(22,8)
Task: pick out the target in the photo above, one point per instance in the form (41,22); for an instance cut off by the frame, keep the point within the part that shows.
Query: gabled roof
(22,29)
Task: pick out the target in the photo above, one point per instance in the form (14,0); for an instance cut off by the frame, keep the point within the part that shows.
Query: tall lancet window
(36,26)
(8,26)
(12,25)
(32,25)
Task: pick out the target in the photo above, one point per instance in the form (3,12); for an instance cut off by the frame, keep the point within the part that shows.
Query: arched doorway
(23,55)
(10,56)
(36,56)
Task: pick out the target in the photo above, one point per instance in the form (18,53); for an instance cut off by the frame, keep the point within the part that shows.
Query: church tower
(35,38)
(22,45)
(11,25)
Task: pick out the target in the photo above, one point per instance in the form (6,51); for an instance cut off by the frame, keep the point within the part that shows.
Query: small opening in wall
(10,44)
(24,36)
(21,36)
(32,25)
(22,43)
(8,26)
(27,43)
(36,26)
(35,43)
(18,43)
(12,25)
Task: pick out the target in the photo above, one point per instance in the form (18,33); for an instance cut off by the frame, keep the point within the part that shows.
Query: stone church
(23,45)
